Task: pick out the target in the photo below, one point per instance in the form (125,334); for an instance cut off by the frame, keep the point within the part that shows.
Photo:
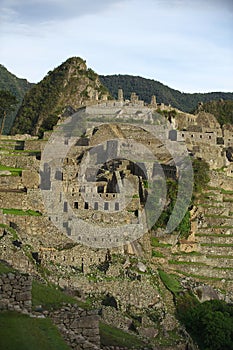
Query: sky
(185,44)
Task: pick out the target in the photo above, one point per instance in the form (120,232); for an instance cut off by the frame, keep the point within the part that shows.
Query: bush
(210,323)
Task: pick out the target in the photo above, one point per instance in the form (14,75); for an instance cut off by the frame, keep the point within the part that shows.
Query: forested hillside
(18,87)
(67,87)
(145,88)
(222,110)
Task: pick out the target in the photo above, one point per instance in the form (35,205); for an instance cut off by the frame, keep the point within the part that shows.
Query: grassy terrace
(194,263)
(12,231)
(205,205)
(110,336)
(217,226)
(22,332)
(5,268)
(188,254)
(209,256)
(14,211)
(216,245)
(226,191)
(213,235)
(170,281)
(48,296)
(216,216)
(41,334)
(155,243)
(13,171)
(200,277)
(157,254)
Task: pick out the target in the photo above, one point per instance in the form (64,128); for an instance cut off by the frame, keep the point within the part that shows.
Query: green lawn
(48,296)
(170,282)
(14,171)
(15,211)
(5,269)
(20,332)
(111,336)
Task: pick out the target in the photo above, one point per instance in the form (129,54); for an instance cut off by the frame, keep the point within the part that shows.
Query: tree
(209,323)
(7,104)
(201,174)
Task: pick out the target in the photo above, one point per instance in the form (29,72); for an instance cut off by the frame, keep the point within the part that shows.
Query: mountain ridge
(145,88)
(17,86)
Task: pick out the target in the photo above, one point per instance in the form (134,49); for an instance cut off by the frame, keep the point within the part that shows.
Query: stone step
(210,220)
(204,271)
(211,260)
(217,250)
(215,210)
(213,239)
(218,230)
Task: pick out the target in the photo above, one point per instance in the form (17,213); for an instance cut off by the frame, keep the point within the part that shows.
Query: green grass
(204,205)
(178,262)
(13,171)
(217,216)
(200,277)
(219,256)
(14,211)
(216,245)
(212,235)
(111,336)
(21,332)
(48,296)
(226,191)
(170,282)
(155,243)
(11,230)
(5,269)
(194,253)
(157,254)
(217,226)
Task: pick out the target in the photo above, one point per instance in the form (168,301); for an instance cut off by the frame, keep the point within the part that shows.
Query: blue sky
(182,43)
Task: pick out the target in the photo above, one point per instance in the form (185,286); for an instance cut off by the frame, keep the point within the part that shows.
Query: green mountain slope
(18,87)
(66,88)
(222,110)
(145,88)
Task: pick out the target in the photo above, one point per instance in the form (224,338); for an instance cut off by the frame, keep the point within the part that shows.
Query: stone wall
(15,291)
(79,328)
(20,161)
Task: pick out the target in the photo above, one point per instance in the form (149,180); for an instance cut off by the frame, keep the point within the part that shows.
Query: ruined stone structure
(110,143)
(79,327)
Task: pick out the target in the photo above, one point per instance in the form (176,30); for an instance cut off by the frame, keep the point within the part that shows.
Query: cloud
(185,44)
(38,11)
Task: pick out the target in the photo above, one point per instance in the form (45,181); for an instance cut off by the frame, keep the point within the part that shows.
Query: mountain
(62,91)
(222,110)
(18,87)
(145,88)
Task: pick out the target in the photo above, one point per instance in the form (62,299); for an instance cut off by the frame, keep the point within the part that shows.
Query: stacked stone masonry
(204,139)
(15,292)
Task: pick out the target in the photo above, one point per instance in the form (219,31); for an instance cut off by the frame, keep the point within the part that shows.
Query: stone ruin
(97,198)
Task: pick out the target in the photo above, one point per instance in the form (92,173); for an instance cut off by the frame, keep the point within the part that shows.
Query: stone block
(25,296)
(30,179)
(6,287)
(85,322)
